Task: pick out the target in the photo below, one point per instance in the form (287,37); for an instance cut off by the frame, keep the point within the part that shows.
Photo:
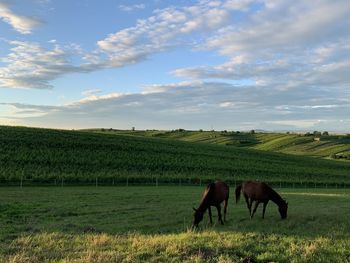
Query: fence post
(157,181)
(96,182)
(21,182)
(200,181)
(62,182)
(127,181)
(180,182)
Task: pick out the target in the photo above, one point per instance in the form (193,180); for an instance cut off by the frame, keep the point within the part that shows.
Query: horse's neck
(275,197)
(203,206)
(205,201)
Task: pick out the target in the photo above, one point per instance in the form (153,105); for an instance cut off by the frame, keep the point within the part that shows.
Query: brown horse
(214,195)
(260,193)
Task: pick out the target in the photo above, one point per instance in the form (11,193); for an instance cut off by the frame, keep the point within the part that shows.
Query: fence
(156,181)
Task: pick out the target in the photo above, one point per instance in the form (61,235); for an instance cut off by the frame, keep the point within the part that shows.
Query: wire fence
(156,181)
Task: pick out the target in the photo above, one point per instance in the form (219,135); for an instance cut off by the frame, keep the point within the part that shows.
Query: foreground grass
(136,224)
(206,246)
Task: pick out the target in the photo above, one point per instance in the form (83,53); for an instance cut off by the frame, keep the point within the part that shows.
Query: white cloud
(90,92)
(22,24)
(195,105)
(29,65)
(285,45)
(129,8)
(165,29)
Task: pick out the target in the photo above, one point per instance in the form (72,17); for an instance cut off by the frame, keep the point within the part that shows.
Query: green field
(49,156)
(327,146)
(137,224)
(150,223)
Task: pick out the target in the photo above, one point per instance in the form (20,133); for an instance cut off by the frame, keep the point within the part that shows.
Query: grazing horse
(214,195)
(260,193)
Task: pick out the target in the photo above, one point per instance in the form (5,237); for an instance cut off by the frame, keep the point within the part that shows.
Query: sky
(276,65)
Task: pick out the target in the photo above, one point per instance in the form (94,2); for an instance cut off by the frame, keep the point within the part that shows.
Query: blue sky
(227,64)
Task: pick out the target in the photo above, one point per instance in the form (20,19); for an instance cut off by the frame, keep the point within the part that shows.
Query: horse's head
(197,218)
(283,209)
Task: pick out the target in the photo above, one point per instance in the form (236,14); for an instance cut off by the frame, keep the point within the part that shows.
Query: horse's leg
(249,204)
(225,209)
(218,207)
(265,204)
(255,207)
(210,218)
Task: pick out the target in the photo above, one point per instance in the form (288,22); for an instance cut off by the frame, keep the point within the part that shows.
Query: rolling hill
(325,146)
(45,155)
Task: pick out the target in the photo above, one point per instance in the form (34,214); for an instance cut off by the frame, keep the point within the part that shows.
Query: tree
(325,133)
(317,133)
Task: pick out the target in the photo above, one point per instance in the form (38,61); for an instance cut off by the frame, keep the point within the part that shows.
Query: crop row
(52,154)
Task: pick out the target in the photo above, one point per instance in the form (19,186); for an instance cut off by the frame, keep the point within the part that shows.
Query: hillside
(45,155)
(327,146)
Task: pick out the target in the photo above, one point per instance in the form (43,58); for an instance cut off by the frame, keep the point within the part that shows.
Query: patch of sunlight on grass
(315,194)
(204,246)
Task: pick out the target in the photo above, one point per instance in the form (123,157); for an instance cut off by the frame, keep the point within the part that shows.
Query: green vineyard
(44,155)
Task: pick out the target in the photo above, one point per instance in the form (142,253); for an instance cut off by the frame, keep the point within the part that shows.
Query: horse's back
(216,193)
(221,191)
(256,190)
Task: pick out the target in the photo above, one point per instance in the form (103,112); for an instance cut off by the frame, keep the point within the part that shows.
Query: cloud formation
(29,65)
(299,45)
(22,24)
(289,62)
(195,105)
(165,29)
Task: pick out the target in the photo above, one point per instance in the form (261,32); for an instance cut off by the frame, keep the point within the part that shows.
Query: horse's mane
(209,192)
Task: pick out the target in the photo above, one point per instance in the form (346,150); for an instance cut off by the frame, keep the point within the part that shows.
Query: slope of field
(149,224)
(327,146)
(47,155)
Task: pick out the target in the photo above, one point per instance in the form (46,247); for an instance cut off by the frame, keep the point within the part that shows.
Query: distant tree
(103,129)
(325,133)
(307,134)
(200,130)
(287,132)
(252,131)
(133,128)
(317,133)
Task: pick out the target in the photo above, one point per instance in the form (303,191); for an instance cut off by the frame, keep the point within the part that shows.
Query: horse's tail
(238,192)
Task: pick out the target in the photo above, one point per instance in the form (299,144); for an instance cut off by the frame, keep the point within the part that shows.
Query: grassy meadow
(138,224)
(151,223)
